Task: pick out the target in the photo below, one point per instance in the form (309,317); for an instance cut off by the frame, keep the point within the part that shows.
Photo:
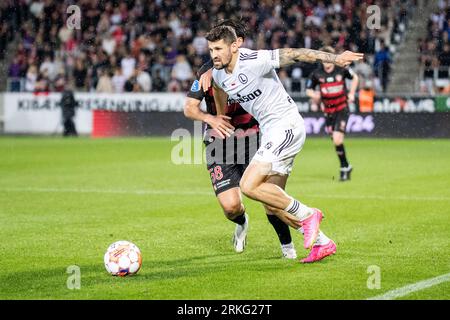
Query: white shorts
(279,146)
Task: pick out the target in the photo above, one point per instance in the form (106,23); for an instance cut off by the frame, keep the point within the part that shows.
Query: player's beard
(224,65)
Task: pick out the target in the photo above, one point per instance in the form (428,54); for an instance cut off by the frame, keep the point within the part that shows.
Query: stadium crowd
(158,45)
(435,51)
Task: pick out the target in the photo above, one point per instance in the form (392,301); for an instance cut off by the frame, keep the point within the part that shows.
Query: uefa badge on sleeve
(195,86)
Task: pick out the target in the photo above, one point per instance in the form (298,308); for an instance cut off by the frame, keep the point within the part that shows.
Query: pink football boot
(319,252)
(311,228)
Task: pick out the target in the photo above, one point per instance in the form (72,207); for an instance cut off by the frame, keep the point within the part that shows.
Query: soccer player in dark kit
(236,136)
(334,98)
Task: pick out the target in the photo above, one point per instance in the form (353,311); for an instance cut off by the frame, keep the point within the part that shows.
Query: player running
(248,77)
(333,94)
(226,171)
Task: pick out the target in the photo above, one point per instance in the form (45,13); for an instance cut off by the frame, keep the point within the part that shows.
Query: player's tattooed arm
(290,56)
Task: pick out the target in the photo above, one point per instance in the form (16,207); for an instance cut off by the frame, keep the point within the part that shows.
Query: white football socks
(298,209)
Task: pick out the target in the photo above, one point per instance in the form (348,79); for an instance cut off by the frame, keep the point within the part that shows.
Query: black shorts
(337,121)
(226,170)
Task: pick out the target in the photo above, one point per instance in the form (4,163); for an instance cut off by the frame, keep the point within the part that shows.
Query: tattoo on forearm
(290,56)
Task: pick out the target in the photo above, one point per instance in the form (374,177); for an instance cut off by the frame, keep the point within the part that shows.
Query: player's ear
(234,47)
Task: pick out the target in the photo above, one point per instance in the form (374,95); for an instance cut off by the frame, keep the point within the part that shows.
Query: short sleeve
(265,60)
(196,91)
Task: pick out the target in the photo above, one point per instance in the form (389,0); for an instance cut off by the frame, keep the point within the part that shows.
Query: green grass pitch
(62,202)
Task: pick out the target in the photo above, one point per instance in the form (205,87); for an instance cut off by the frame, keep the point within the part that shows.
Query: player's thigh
(340,124)
(330,120)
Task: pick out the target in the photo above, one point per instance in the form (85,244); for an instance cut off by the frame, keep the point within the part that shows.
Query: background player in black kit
(334,98)
(226,171)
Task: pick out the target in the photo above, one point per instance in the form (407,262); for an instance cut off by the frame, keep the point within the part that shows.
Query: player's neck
(232,64)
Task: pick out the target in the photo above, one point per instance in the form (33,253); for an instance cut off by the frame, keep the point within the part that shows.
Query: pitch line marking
(208,193)
(406,290)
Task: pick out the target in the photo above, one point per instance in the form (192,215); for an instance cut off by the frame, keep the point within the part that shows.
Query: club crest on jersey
(321,80)
(338,77)
(195,86)
(242,78)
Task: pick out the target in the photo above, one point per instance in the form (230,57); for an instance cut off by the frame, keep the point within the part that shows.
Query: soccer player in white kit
(249,78)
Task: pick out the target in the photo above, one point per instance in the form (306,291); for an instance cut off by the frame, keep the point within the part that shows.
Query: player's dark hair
(328,49)
(225,33)
(238,26)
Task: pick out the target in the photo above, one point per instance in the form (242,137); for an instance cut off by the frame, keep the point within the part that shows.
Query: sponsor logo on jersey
(249,97)
(330,79)
(242,78)
(268,145)
(333,89)
(195,86)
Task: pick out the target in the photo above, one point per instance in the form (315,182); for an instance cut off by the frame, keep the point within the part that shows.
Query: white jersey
(255,85)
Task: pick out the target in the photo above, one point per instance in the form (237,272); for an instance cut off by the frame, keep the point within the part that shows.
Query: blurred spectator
(365,72)
(444,62)
(109,44)
(182,71)
(428,63)
(80,74)
(174,85)
(296,75)
(382,65)
(15,74)
(42,82)
(118,80)
(150,35)
(131,85)
(49,66)
(143,80)
(285,80)
(128,64)
(104,84)
(31,78)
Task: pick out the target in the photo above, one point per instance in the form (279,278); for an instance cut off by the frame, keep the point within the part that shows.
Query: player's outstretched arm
(290,56)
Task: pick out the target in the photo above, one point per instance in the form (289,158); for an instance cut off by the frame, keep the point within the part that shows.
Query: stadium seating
(157,46)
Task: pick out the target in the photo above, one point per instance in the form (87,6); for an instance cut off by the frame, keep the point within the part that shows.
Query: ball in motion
(123,258)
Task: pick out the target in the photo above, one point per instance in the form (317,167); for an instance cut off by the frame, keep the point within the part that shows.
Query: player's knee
(233,209)
(247,189)
(338,139)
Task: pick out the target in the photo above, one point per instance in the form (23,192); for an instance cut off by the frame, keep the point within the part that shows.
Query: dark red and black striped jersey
(240,118)
(332,87)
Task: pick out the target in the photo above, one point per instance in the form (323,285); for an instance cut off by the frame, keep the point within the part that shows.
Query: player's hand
(221,124)
(347,57)
(351,97)
(205,80)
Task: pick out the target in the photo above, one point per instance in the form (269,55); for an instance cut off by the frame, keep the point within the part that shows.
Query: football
(123,258)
